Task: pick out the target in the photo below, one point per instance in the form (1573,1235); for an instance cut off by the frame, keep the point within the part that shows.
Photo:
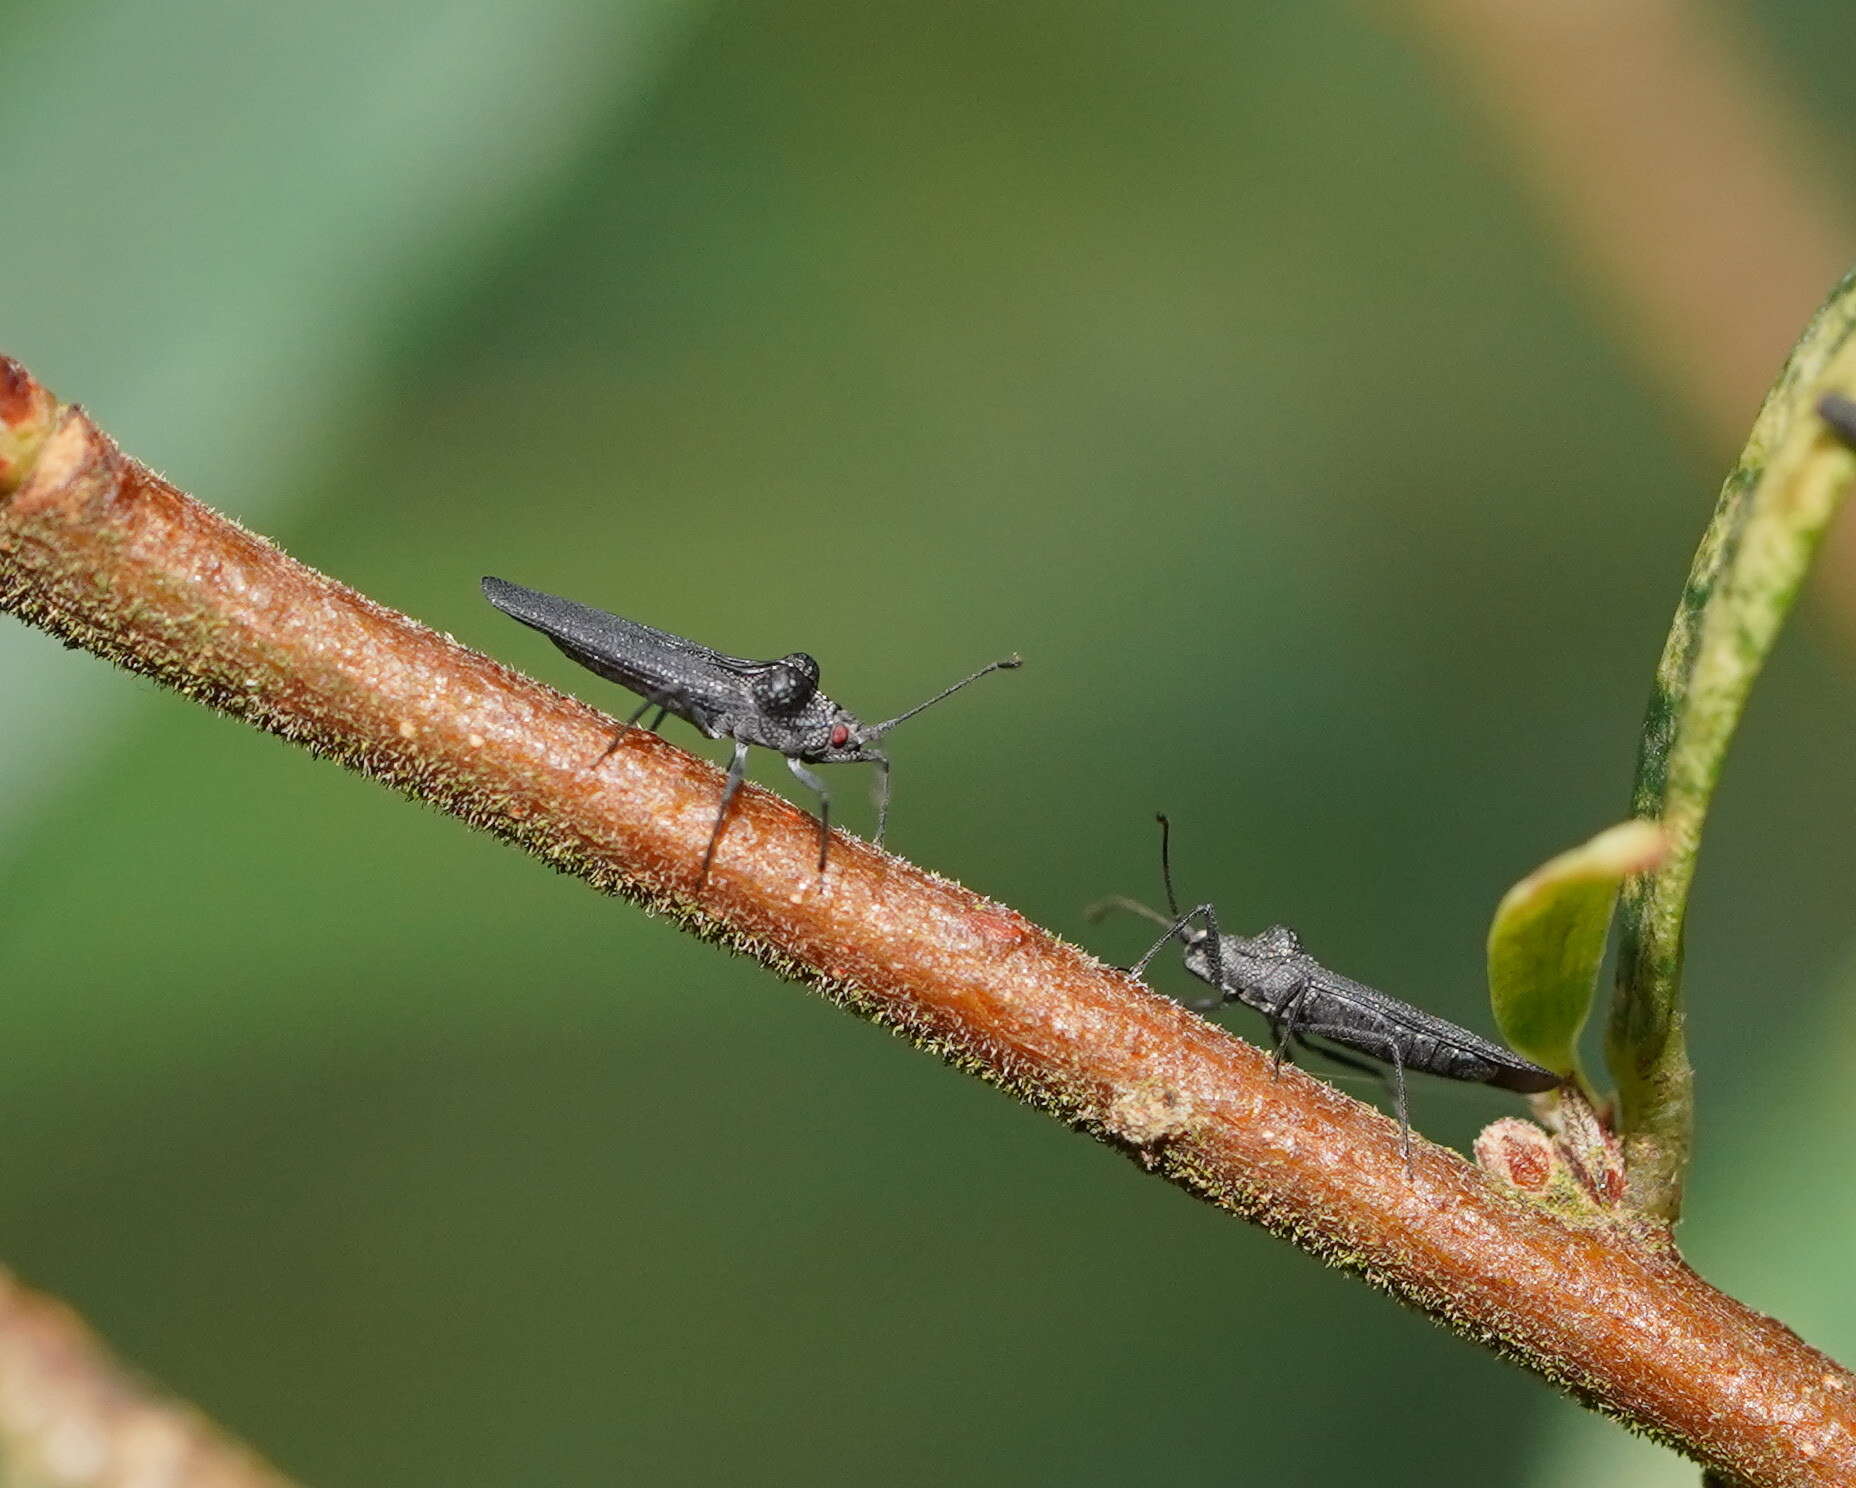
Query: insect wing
(1453,1051)
(650,662)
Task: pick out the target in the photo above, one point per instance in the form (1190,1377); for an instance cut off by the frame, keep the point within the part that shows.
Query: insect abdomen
(1524,1077)
(1366,1019)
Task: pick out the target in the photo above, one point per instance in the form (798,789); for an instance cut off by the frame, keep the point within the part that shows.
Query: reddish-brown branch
(70,1414)
(100,551)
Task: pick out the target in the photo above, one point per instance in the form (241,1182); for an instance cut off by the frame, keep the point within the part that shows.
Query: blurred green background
(1205,354)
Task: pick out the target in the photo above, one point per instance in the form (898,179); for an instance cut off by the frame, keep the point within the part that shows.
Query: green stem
(1772,512)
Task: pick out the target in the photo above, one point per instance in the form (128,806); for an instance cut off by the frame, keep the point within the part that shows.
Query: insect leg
(1404,1111)
(1347,1061)
(1216,940)
(1173,929)
(882,799)
(806,777)
(618,738)
(1102,907)
(1283,1027)
(1304,1043)
(658,700)
(737,767)
(1394,1055)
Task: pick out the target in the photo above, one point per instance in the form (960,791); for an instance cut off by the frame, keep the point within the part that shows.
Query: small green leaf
(1548,939)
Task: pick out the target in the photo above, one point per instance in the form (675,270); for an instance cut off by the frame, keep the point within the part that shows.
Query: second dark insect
(773,704)
(1303,1000)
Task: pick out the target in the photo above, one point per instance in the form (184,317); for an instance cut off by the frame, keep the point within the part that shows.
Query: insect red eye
(840,736)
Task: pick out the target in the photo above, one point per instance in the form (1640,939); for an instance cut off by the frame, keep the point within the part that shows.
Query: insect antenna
(1006,664)
(1176,928)
(1166,861)
(1174,922)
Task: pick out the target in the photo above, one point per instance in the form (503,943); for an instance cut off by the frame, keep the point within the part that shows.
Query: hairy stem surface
(100,551)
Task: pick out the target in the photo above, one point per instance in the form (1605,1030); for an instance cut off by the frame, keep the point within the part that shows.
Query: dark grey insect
(1304,1000)
(775,704)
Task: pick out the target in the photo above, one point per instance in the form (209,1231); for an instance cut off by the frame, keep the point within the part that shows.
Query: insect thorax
(1256,971)
(806,734)
(785,686)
